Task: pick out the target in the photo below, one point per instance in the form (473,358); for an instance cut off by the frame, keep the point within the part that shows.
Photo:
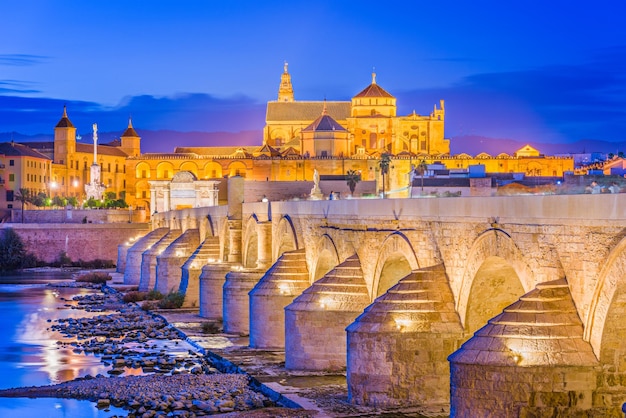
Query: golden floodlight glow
(402,324)
(283,288)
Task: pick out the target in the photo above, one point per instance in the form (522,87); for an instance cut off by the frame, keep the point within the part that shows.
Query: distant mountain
(166,140)
(160,141)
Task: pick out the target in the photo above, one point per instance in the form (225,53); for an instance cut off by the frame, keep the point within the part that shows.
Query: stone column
(264,258)
(134,255)
(122,252)
(149,260)
(166,200)
(234,236)
(236,301)
(170,261)
(153,202)
(211,290)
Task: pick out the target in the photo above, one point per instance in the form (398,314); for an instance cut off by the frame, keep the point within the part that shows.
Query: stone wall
(79,241)
(289,190)
(70,216)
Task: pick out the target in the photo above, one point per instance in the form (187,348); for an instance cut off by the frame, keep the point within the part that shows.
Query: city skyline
(504,71)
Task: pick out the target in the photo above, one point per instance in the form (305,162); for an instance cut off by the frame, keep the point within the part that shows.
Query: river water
(29,355)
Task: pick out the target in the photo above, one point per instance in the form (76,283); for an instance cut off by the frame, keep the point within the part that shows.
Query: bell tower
(131,141)
(285,91)
(64,139)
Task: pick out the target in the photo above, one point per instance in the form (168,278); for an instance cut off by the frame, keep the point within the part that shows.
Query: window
(11,177)
(117,168)
(85,165)
(143,174)
(11,163)
(71,164)
(10,196)
(109,167)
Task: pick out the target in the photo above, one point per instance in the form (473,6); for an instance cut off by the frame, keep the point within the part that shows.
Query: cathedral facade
(369,124)
(299,138)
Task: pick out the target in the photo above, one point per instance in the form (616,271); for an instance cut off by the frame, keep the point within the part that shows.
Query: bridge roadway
(496,306)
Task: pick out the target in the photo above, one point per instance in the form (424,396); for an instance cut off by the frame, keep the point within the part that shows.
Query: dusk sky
(529,71)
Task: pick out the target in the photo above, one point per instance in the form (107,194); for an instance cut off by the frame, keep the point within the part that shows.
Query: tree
(40,200)
(385,160)
(12,251)
(23,195)
(58,201)
(421,169)
(352,179)
(73,201)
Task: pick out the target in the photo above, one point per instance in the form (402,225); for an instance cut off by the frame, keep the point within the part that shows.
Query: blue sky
(531,71)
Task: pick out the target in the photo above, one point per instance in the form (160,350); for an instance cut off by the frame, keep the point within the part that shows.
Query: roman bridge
(496,306)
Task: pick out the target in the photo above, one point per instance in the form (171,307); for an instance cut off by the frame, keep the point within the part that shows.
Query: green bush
(134,296)
(154,295)
(95,277)
(13,253)
(173,300)
(210,328)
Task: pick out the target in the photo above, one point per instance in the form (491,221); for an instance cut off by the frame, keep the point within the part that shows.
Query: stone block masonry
(85,242)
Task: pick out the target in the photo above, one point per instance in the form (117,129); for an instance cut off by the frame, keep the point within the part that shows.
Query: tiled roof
(102,149)
(130,131)
(373,90)
(324,123)
(12,149)
(65,121)
(305,111)
(217,151)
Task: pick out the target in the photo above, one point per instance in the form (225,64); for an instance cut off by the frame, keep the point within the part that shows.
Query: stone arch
(142,170)
(605,328)
(224,241)
(237,168)
(212,170)
(327,258)
(250,254)
(285,237)
(396,259)
(205,225)
(189,166)
(492,249)
(164,170)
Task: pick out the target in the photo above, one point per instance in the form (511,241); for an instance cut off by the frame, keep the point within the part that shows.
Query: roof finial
(373,75)
(324,109)
(130,121)
(64,110)
(286,65)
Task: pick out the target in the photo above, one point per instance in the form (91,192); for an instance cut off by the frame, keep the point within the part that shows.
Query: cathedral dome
(373,90)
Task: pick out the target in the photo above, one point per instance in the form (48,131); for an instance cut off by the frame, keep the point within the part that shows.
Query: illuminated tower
(64,139)
(131,141)
(285,90)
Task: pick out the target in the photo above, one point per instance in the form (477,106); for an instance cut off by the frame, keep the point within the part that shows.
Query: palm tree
(352,178)
(23,195)
(385,160)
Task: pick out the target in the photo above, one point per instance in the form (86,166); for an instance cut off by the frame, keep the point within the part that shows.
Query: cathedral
(365,125)
(299,138)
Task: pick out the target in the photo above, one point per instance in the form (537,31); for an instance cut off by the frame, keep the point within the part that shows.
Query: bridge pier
(321,314)
(134,255)
(278,287)
(236,313)
(211,290)
(122,253)
(398,347)
(207,252)
(149,260)
(170,261)
(531,360)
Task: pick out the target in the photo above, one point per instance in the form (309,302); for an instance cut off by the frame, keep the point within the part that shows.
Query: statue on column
(316,192)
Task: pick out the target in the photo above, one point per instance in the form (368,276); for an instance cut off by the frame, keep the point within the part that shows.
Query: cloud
(21,60)
(16,86)
(558,103)
(182,113)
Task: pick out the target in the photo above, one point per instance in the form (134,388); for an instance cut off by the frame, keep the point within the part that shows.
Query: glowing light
(402,324)
(324,303)
(179,253)
(283,288)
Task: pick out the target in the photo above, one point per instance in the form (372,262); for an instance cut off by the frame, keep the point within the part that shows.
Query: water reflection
(29,354)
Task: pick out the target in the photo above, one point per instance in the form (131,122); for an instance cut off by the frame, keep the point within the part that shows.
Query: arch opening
(325,263)
(495,286)
(395,268)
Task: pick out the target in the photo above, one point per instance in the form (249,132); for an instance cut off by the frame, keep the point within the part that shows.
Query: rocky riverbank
(157,373)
